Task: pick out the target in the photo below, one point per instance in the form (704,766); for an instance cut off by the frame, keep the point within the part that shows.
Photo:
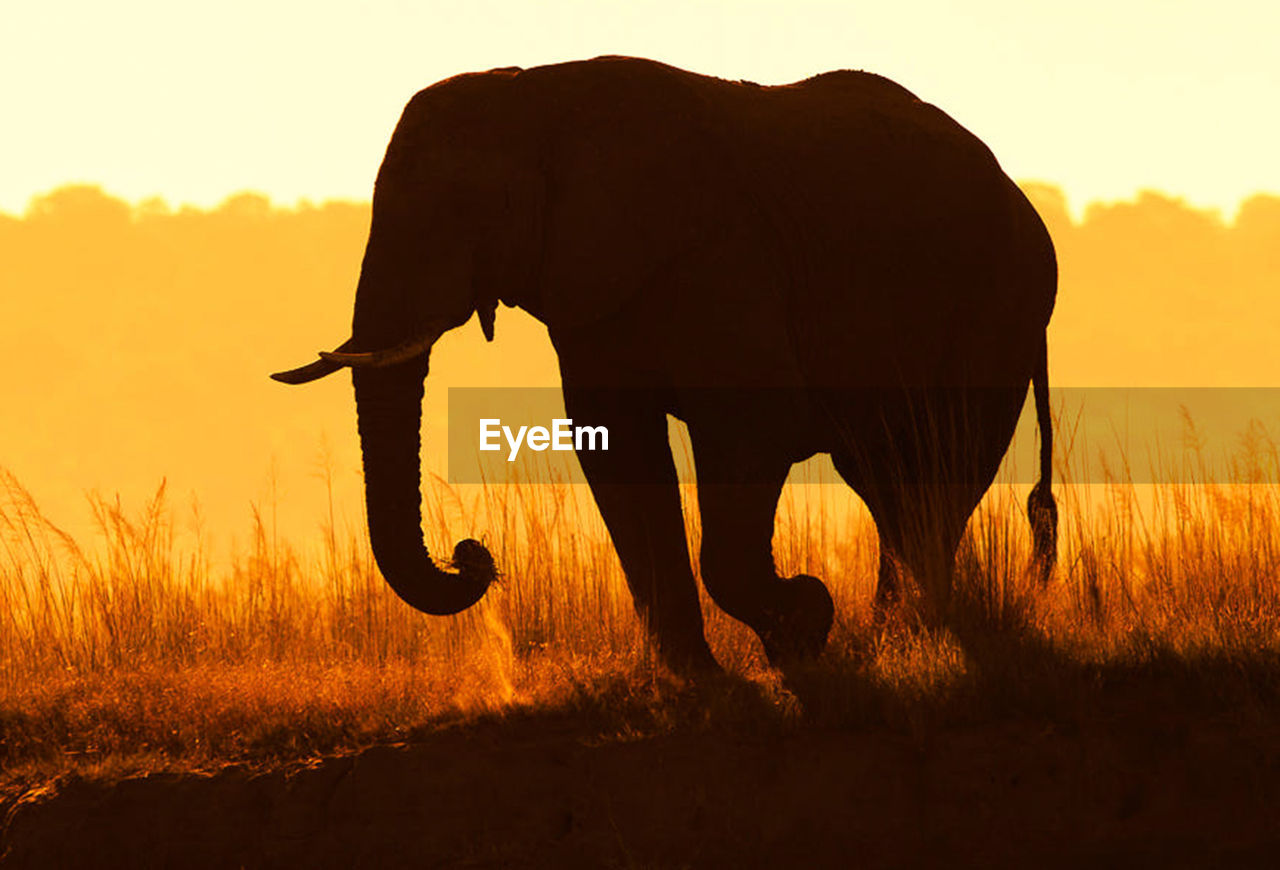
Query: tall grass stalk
(146,635)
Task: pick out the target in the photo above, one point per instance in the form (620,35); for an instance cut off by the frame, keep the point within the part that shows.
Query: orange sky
(297,99)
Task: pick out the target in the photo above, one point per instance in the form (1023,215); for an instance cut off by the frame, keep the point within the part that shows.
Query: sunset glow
(860,610)
(296,100)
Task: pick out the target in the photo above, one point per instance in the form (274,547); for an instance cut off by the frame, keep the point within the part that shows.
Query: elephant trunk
(389,416)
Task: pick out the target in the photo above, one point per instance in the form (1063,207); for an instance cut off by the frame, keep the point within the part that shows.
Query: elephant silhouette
(830,266)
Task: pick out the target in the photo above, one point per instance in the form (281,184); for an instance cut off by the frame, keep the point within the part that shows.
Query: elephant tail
(1042,509)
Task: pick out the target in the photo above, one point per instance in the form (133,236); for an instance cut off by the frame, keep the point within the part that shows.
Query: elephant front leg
(635,487)
(738,498)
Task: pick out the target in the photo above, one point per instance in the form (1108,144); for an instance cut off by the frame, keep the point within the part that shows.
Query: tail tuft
(1042,509)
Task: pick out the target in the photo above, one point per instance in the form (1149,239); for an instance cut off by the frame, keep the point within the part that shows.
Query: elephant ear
(635,184)
(507,261)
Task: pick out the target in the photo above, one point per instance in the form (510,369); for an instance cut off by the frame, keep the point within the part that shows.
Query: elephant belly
(948,435)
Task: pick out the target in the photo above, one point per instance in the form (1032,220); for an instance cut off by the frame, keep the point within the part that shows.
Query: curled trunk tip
(389,416)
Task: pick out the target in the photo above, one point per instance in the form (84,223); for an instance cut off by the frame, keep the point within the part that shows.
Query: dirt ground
(540,792)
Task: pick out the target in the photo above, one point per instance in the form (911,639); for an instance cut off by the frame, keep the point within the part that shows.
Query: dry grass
(140,654)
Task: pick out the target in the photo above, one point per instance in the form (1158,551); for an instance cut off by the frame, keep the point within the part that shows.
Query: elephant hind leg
(738,498)
(928,553)
(920,526)
(919,547)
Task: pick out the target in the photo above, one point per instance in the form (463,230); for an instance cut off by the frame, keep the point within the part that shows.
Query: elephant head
(433,258)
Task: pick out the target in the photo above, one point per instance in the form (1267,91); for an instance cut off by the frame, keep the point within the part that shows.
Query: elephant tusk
(312,371)
(305,374)
(415,347)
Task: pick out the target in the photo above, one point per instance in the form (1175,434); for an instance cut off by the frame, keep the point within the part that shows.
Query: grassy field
(141,655)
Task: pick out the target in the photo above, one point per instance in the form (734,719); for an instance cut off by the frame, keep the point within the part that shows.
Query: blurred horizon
(146,333)
(1077,210)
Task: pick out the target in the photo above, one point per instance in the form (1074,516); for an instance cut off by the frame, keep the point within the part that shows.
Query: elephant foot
(689,660)
(799,623)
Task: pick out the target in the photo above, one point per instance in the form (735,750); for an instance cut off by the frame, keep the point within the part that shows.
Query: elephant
(830,266)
